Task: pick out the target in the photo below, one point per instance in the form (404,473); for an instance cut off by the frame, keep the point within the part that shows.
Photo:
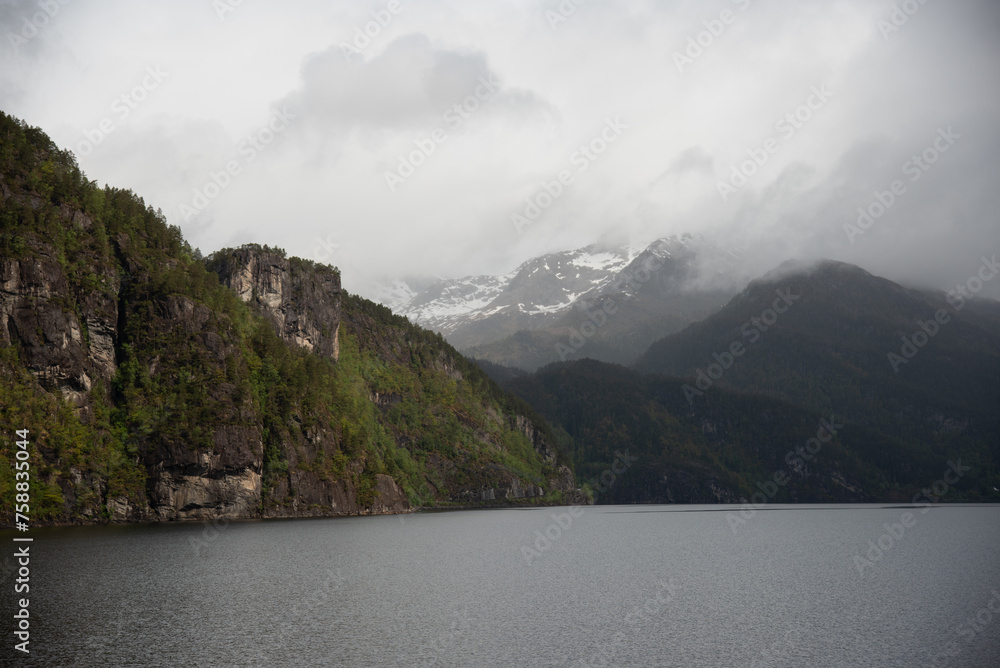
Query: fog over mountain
(459,139)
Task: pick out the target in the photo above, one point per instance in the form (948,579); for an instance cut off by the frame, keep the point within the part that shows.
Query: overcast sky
(158,97)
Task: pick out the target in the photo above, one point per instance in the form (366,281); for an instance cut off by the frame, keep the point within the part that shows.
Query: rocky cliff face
(66,350)
(227,477)
(301,299)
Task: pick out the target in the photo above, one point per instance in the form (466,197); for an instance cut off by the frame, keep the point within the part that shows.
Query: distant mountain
(477,309)
(815,383)
(916,366)
(909,380)
(613,300)
(660,291)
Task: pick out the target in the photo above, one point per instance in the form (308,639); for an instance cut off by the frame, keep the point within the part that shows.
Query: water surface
(616,586)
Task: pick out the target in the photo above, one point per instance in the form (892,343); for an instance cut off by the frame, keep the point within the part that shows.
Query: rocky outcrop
(64,349)
(69,338)
(389,497)
(196,497)
(302,299)
(538,442)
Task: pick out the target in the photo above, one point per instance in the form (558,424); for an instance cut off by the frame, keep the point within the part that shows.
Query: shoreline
(674,507)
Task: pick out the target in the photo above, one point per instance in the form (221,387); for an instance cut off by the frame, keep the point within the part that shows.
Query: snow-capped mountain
(446,304)
(396,295)
(477,310)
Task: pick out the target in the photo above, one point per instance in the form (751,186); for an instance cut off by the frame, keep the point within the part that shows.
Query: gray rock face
(301,299)
(62,353)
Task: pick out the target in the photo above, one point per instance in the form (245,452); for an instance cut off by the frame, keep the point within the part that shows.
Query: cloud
(694,159)
(410,84)
(324,178)
(23,28)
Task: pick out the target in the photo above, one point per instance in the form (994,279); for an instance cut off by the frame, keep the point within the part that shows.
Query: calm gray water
(620,586)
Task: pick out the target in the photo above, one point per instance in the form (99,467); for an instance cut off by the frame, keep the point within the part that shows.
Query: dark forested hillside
(725,446)
(918,367)
(158,385)
(720,405)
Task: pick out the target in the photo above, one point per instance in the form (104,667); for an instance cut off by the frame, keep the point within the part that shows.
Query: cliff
(160,386)
(302,299)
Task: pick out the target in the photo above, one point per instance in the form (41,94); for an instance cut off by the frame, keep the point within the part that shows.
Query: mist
(445,139)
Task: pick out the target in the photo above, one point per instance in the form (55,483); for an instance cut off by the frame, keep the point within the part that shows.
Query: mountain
(159,385)
(477,309)
(744,402)
(615,299)
(660,291)
(916,366)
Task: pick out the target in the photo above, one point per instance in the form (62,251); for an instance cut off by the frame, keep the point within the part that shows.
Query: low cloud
(323,180)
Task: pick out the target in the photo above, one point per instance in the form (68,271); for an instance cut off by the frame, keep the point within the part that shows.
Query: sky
(406,138)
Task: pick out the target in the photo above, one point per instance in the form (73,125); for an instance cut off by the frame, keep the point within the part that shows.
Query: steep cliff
(301,298)
(159,386)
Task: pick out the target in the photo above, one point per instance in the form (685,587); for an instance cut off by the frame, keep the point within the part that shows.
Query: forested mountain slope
(159,385)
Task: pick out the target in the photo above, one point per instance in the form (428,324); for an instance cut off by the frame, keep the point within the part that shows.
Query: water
(619,586)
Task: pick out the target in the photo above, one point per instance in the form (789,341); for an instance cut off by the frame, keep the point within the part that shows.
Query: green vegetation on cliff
(152,390)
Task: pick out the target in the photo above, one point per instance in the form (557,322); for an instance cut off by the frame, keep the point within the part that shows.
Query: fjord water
(619,586)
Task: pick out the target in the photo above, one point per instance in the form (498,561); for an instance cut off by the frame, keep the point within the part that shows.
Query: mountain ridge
(519,318)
